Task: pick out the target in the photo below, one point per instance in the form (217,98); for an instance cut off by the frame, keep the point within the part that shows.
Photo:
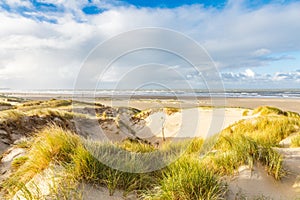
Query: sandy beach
(145,102)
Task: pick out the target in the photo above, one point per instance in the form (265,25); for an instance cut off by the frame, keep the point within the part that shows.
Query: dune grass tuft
(265,129)
(171,110)
(55,113)
(11,114)
(53,103)
(17,162)
(238,150)
(186,179)
(267,110)
(16,114)
(143,114)
(295,142)
(52,144)
(89,169)
(4,103)
(251,141)
(136,146)
(59,147)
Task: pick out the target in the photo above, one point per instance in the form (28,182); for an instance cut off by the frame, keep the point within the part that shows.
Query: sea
(234,93)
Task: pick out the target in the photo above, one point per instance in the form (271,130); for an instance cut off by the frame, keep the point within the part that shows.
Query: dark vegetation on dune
(197,174)
(23,119)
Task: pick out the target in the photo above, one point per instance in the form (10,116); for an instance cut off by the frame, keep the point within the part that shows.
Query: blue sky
(174,3)
(254,44)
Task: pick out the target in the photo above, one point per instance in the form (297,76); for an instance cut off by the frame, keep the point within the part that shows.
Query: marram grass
(55,146)
(185,179)
(195,175)
(295,142)
(52,144)
(251,141)
(237,150)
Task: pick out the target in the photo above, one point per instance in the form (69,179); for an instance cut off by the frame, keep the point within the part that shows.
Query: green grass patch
(187,179)
(55,113)
(55,146)
(52,144)
(136,146)
(267,110)
(53,103)
(238,150)
(16,114)
(265,129)
(251,141)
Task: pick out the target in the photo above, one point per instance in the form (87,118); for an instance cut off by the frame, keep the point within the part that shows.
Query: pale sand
(194,122)
(143,102)
(287,104)
(255,183)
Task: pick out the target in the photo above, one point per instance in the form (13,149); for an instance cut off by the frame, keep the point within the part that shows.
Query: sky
(44,44)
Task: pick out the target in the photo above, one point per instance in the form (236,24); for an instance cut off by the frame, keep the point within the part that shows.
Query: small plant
(104,116)
(19,161)
(267,110)
(143,114)
(24,143)
(171,110)
(5,104)
(246,113)
(136,146)
(295,142)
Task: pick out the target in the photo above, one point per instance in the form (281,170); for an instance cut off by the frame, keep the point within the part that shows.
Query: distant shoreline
(144,101)
(157,94)
(160,95)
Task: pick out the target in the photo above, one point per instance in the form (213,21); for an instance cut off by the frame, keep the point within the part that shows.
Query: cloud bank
(43,45)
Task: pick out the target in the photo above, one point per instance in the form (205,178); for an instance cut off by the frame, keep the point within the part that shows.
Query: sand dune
(189,122)
(255,183)
(194,122)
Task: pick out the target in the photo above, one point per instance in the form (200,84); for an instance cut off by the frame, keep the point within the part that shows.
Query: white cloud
(235,37)
(18,3)
(261,52)
(249,73)
(287,76)
(261,80)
